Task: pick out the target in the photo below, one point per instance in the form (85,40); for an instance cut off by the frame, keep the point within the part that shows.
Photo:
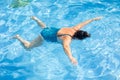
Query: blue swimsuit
(50,34)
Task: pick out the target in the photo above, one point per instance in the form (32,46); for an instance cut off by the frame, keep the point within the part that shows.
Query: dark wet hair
(80,34)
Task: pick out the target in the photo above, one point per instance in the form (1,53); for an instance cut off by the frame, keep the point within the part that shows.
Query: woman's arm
(80,25)
(66,46)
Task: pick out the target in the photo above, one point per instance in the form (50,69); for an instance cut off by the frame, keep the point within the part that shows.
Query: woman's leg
(35,43)
(39,22)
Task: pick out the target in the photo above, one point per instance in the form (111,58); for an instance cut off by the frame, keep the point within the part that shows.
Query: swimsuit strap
(59,35)
(64,35)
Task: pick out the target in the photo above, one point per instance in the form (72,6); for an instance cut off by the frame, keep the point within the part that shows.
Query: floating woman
(63,35)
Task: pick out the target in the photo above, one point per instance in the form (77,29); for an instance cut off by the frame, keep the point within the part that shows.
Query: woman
(64,35)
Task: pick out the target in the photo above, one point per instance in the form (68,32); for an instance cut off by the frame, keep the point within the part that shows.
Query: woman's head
(81,35)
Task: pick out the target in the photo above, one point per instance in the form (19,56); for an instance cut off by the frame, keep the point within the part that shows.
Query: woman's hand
(97,18)
(73,61)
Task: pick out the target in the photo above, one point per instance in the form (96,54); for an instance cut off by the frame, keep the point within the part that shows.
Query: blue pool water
(98,57)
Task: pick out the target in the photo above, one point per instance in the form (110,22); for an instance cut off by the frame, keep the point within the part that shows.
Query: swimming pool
(98,56)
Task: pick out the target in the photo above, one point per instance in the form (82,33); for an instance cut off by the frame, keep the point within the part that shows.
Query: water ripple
(98,56)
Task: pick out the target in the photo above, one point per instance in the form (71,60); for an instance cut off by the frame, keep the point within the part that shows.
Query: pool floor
(98,56)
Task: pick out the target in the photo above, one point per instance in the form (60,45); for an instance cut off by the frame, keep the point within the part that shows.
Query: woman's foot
(34,18)
(38,21)
(16,36)
(27,44)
